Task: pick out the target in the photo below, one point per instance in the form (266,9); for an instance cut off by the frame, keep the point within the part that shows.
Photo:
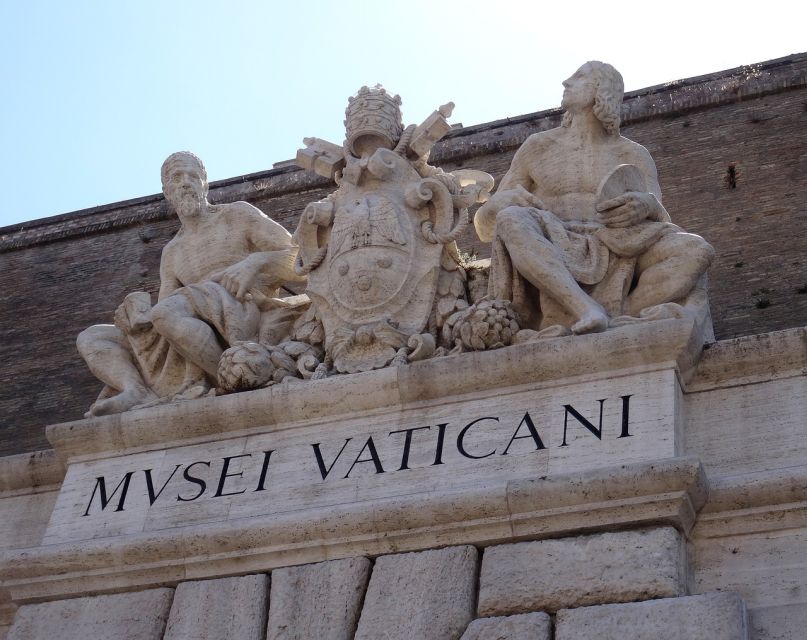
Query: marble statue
(581,243)
(580,238)
(384,274)
(219,282)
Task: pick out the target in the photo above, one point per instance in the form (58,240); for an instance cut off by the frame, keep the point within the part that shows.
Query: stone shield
(379,268)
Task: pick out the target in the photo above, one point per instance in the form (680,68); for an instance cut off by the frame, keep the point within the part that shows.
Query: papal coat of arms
(383,268)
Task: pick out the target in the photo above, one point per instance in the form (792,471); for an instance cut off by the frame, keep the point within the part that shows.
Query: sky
(97,93)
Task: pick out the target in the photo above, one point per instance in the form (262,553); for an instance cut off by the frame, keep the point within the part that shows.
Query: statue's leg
(173,317)
(540,262)
(106,352)
(669,270)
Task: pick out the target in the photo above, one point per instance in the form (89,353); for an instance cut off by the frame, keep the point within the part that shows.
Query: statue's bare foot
(124,401)
(592,321)
(192,389)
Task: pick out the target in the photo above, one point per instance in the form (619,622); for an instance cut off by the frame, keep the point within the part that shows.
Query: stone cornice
(751,360)
(757,502)
(30,472)
(638,348)
(669,491)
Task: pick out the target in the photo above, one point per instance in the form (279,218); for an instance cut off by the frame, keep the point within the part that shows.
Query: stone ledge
(716,616)
(30,472)
(755,502)
(665,344)
(751,360)
(580,571)
(668,492)
(123,616)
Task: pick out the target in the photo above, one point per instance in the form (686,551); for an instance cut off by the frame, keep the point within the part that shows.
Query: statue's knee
(88,340)
(84,340)
(697,249)
(163,316)
(512,222)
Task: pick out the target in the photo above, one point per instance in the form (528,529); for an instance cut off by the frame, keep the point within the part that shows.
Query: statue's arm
(514,189)
(272,252)
(644,162)
(168,279)
(275,249)
(634,207)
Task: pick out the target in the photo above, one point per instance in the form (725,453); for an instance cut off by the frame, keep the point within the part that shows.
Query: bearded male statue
(580,240)
(219,281)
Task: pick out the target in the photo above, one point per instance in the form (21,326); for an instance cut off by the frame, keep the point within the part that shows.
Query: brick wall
(731,150)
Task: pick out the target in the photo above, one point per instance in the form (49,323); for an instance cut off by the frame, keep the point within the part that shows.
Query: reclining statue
(219,280)
(580,237)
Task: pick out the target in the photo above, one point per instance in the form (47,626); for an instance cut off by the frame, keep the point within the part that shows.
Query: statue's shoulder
(170,249)
(543,138)
(633,148)
(239,208)
(538,143)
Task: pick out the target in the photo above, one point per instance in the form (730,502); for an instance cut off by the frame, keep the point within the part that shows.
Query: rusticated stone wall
(731,149)
(456,593)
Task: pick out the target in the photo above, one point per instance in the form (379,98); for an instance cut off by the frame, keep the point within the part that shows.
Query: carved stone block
(320,601)
(224,609)
(322,157)
(123,616)
(527,626)
(549,575)
(431,130)
(427,595)
(713,616)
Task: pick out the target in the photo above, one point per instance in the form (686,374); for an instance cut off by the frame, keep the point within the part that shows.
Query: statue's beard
(189,204)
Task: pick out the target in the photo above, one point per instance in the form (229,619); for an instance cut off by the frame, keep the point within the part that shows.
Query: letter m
(100,487)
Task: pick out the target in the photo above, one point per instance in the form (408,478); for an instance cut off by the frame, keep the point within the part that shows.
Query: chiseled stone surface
(218,276)
(123,616)
(526,626)
(320,600)
(427,595)
(223,609)
(712,616)
(548,575)
(555,227)
(388,267)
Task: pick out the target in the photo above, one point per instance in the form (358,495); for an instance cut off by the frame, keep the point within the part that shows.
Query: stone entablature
(745,499)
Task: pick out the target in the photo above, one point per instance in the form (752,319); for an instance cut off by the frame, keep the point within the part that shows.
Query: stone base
(548,575)
(527,626)
(219,609)
(428,595)
(713,616)
(124,616)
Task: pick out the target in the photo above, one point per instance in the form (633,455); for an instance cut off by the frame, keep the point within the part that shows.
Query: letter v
(321,463)
(150,484)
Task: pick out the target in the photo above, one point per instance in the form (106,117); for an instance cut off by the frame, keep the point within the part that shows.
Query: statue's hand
(485,219)
(133,315)
(121,319)
(239,278)
(627,210)
(518,197)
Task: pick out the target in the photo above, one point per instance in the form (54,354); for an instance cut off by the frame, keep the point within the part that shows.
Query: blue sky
(96,94)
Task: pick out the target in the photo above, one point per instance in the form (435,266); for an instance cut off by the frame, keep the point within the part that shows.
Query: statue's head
(184,180)
(372,120)
(598,86)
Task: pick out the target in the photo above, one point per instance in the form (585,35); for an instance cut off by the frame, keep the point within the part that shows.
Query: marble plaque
(471,440)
